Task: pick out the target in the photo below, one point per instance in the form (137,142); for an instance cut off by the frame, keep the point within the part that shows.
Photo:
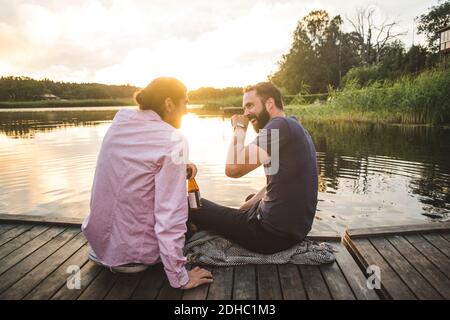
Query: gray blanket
(210,249)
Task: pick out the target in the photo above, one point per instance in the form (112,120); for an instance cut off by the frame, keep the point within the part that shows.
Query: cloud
(218,43)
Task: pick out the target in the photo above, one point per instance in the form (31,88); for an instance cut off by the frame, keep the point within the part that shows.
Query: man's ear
(270,103)
(168,105)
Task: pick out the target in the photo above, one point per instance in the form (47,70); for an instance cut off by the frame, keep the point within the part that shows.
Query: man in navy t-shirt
(281,214)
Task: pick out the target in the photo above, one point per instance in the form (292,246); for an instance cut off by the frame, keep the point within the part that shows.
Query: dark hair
(153,96)
(267,90)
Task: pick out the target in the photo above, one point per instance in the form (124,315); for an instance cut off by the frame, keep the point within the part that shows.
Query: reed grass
(424,99)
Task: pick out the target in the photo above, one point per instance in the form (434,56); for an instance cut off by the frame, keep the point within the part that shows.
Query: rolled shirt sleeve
(171,214)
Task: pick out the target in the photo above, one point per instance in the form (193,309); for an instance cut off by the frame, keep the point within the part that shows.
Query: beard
(261,120)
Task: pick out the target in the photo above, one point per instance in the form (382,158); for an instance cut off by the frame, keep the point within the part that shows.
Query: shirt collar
(148,115)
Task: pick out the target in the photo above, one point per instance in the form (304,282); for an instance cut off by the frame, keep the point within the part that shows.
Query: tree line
(214,93)
(27,89)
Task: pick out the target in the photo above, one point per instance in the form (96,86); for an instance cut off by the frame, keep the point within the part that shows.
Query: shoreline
(329,113)
(309,113)
(66,103)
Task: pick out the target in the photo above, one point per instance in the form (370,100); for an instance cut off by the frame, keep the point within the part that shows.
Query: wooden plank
(269,287)
(353,274)
(222,286)
(11,276)
(244,286)
(89,271)
(446,235)
(6,226)
(23,286)
(50,220)
(16,256)
(398,230)
(315,285)
(13,233)
(150,284)
(391,285)
(439,242)
(435,277)
(336,282)
(413,279)
(12,221)
(232,110)
(124,286)
(431,253)
(21,240)
(291,283)
(169,293)
(330,236)
(100,286)
(58,278)
(199,293)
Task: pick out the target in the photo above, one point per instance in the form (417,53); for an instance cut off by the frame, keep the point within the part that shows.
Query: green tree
(429,23)
(362,76)
(319,56)
(392,60)
(415,59)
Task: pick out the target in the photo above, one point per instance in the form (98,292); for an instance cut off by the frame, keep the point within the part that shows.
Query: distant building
(49,96)
(444,46)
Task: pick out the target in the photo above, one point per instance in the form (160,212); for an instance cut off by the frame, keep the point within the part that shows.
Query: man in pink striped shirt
(138,208)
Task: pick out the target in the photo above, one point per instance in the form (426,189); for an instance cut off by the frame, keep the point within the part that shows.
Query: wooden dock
(414,261)
(36,254)
(232,110)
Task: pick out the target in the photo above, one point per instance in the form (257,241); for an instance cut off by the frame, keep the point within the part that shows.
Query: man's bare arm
(242,159)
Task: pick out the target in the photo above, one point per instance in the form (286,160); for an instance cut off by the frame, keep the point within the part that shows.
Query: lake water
(368,174)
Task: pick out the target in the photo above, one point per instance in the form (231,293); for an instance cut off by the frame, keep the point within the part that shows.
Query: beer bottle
(194,198)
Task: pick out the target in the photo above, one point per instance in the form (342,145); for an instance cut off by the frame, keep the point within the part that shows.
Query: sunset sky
(203,43)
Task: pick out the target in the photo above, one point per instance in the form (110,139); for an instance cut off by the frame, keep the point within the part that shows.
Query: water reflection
(25,123)
(363,152)
(368,174)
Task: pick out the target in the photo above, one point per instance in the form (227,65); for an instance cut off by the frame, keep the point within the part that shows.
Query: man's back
(131,214)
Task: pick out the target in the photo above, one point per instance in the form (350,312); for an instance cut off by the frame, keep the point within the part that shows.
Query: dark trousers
(241,227)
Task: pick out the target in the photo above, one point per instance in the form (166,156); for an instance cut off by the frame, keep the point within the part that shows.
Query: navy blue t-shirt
(289,204)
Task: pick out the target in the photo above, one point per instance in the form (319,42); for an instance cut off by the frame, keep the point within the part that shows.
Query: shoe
(93,257)
(126,268)
(130,268)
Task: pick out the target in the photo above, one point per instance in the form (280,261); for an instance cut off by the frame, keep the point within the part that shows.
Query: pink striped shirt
(138,208)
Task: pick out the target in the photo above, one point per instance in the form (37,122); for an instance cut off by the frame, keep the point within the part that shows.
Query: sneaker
(126,268)
(93,257)
(130,268)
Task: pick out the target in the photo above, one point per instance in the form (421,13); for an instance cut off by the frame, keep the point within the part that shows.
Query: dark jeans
(241,227)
